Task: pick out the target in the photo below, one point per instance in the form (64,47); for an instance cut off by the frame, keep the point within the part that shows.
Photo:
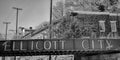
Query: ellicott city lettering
(59,45)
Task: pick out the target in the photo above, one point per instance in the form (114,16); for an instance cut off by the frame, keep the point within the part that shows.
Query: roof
(98,13)
(42,29)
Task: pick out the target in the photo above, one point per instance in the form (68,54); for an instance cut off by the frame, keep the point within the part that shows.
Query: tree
(58,10)
(74,27)
(86,5)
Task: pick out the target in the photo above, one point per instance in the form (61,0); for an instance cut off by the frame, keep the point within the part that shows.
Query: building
(95,24)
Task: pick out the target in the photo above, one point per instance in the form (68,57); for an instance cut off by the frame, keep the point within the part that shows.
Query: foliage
(86,5)
(73,27)
(58,10)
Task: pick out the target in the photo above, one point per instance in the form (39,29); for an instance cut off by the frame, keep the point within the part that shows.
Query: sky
(33,13)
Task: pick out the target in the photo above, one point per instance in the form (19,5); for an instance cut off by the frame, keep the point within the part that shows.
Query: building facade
(86,25)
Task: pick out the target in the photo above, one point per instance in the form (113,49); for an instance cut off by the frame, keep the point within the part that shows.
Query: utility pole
(50,30)
(17,19)
(50,19)
(6,29)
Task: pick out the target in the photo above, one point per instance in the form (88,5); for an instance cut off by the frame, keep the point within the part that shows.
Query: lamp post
(17,19)
(6,29)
